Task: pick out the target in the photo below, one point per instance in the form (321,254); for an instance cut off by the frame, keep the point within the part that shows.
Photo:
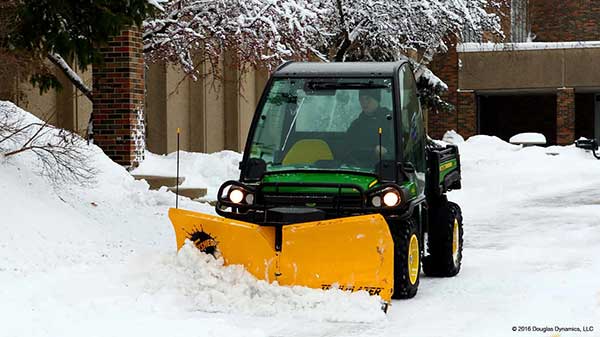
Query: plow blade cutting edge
(353,253)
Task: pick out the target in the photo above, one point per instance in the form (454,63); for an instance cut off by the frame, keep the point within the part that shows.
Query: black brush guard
(269,206)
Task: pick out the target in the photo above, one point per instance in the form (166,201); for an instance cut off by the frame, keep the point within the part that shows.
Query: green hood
(362,180)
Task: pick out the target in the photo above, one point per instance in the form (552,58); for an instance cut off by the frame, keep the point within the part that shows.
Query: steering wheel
(359,156)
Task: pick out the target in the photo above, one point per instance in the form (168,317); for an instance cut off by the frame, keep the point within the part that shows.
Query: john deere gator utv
(339,186)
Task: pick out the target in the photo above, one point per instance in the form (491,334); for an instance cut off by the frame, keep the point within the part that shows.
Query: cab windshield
(337,124)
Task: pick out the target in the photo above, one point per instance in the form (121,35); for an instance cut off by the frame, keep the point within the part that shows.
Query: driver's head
(369,100)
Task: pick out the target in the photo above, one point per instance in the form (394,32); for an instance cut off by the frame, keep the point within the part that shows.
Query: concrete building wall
(213,114)
(530,69)
(178,111)
(67,108)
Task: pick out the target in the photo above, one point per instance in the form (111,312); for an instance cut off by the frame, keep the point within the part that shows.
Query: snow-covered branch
(261,33)
(71,75)
(264,33)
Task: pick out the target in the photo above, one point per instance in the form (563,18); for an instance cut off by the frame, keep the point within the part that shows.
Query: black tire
(444,259)
(406,286)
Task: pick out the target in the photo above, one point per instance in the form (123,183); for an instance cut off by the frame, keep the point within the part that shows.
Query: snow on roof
(487,47)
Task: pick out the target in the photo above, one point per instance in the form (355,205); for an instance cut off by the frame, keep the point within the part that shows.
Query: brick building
(550,86)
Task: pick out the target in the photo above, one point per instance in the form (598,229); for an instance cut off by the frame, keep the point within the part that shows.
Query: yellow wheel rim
(413,259)
(455,242)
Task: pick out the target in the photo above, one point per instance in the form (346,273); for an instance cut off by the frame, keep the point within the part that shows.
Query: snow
(528,138)
(452,137)
(156,3)
(474,47)
(432,79)
(60,62)
(200,170)
(101,261)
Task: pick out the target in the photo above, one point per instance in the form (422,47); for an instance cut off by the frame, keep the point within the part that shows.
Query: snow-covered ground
(101,261)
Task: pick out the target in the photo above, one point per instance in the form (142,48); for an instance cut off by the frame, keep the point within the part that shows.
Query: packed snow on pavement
(101,260)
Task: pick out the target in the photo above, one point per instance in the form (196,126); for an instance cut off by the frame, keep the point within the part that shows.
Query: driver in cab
(363,133)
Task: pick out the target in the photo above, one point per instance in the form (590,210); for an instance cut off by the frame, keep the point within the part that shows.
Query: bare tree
(63,156)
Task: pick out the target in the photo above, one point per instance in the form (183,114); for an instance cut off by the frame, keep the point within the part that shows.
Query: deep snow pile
(199,169)
(204,284)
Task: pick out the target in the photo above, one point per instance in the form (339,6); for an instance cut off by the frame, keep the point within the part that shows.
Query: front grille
(316,201)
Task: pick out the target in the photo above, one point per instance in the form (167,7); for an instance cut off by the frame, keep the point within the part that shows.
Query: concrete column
(467,113)
(65,107)
(231,87)
(214,113)
(119,99)
(156,108)
(565,116)
(261,78)
(247,105)
(198,125)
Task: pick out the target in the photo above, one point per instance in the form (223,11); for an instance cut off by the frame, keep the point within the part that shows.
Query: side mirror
(408,167)
(386,169)
(588,144)
(405,169)
(254,168)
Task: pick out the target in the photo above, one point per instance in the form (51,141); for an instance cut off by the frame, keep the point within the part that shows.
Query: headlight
(391,198)
(236,196)
(376,201)
(249,199)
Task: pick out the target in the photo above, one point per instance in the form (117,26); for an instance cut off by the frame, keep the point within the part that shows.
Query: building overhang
(529,67)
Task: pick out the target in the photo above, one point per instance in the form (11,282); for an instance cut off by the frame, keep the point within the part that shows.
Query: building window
(519,31)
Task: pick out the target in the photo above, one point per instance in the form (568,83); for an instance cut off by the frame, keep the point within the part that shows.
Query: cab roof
(337,69)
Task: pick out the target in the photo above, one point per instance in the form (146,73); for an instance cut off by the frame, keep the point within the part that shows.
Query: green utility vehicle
(339,185)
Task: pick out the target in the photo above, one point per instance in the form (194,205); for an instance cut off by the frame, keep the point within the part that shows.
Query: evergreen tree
(73,29)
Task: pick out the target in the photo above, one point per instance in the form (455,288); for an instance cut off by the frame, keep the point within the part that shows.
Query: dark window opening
(584,115)
(506,116)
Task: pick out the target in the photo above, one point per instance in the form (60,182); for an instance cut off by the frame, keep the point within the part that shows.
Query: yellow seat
(308,151)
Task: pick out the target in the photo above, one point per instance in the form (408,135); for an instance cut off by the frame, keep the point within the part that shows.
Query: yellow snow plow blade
(353,253)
